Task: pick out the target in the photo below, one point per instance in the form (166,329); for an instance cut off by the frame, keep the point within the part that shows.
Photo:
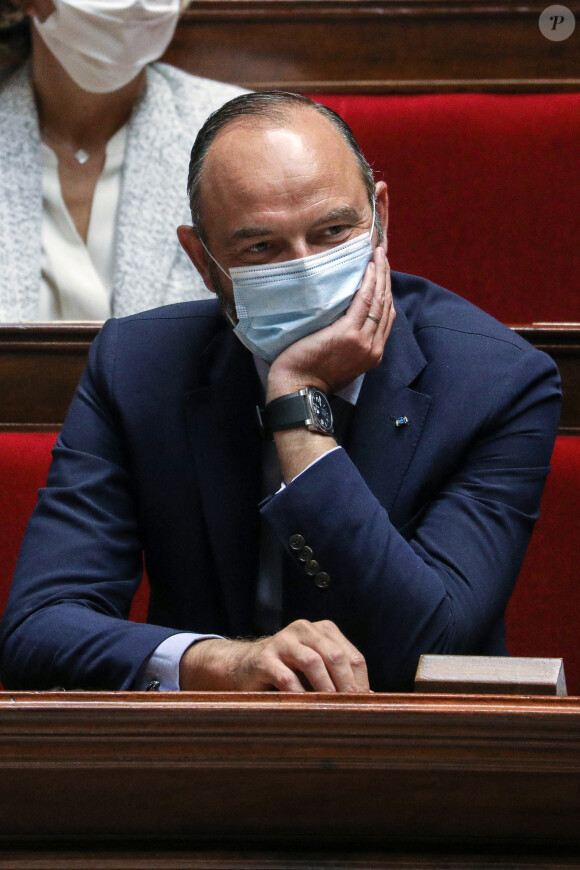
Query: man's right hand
(303,656)
(332,357)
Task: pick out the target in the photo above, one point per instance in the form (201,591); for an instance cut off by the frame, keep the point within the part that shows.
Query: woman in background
(94,152)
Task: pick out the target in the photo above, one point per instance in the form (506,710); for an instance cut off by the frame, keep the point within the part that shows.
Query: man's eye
(336,230)
(258,248)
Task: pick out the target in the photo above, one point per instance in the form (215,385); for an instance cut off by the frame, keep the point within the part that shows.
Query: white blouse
(77,278)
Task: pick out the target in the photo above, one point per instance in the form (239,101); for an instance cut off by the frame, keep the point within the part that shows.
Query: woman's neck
(77,117)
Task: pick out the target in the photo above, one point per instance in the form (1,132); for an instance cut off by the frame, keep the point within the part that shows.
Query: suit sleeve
(81,559)
(440,583)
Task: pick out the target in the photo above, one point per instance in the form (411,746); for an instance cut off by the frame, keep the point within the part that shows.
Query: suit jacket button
(305,554)
(296,542)
(312,568)
(322,580)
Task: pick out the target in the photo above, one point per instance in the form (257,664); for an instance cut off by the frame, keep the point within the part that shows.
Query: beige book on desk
(495,675)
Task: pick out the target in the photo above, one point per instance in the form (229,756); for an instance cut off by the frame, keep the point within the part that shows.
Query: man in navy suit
(288,552)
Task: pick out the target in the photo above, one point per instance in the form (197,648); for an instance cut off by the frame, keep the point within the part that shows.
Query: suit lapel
(381,449)
(220,417)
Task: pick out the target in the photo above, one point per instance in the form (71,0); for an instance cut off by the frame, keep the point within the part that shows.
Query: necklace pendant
(81,156)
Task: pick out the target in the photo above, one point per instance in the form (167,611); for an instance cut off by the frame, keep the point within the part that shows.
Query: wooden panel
(40,366)
(301,778)
(562,342)
(376,47)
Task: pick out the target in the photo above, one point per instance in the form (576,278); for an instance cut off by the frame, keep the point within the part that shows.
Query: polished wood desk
(200,780)
(40,365)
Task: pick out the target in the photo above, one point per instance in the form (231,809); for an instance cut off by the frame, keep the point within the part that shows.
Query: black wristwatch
(308,408)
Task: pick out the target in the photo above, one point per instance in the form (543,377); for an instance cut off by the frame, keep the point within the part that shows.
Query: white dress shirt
(77,278)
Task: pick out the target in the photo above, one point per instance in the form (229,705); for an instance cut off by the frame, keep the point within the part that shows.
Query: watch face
(321,410)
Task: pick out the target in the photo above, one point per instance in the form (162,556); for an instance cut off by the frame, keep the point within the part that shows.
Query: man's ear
(194,249)
(382,207)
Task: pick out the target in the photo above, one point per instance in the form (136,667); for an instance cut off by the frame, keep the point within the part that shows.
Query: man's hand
(334,356)
(303,656)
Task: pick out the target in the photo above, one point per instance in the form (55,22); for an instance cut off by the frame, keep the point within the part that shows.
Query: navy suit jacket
(421,527)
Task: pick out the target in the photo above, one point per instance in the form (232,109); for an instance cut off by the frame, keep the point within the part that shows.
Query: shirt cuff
(162,667)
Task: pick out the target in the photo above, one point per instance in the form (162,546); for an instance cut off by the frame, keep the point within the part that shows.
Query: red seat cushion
(484,194)
(544,612)
(24,463)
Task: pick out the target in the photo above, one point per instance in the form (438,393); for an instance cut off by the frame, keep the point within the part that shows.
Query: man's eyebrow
(249,233)
(343,212)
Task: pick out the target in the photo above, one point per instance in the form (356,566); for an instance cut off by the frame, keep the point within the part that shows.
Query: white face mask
(104,44)
(279,303)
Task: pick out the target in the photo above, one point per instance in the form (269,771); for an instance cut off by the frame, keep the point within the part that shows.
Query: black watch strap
(287,412)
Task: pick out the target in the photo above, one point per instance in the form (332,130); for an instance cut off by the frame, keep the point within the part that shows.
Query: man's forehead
(254,160)
(301,119)
(297,136)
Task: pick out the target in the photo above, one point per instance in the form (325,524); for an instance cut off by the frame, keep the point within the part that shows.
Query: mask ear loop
(211,256)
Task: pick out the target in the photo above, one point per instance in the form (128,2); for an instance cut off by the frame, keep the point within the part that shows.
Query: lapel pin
(401,421)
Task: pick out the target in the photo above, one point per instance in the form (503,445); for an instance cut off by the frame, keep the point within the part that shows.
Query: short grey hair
(277,106)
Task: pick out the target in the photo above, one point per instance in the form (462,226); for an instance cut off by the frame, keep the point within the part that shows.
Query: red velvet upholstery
(494,176)
(544,612)
(24,464)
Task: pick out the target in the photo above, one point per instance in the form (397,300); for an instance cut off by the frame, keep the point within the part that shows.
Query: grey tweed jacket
(150,267)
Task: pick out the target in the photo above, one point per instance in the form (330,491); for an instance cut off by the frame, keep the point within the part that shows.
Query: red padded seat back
(543,616)
(24,463)
(484,194)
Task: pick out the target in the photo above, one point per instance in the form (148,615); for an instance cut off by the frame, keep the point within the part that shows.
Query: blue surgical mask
(279,303)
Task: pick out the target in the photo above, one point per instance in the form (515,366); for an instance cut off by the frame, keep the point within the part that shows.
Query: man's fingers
(284,678)
(312,655)
(313,664)
(348,668)
(327,658)
(367,307)
(340,665)
(298,649)
(380,298)
(269,667)
(360,307)
(388,313)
